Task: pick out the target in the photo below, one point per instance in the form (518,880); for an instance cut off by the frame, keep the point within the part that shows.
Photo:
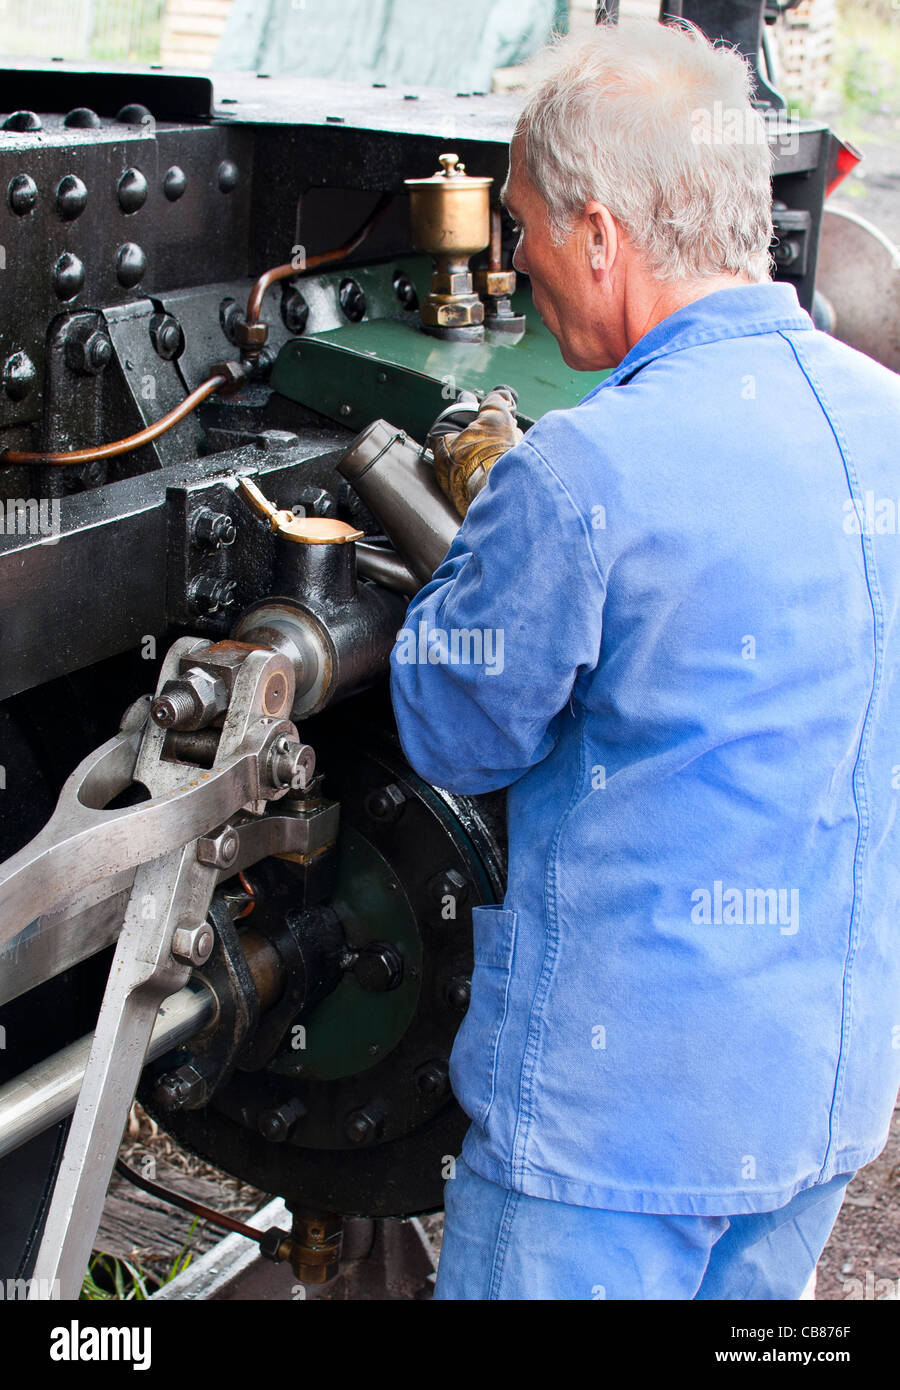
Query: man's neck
(654,301)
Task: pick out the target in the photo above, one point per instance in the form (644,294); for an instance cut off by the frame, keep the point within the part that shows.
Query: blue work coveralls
(687,590)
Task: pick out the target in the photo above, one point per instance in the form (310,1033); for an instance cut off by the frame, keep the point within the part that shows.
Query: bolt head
(88,355)
(272,1126)
(432,1079)
(294,310)
(379,967)
(458,993)
(450,883)
(167,336)
(359,1128)
(386,803)
(192,945)
(215,529)
(182,1089)
(219,850)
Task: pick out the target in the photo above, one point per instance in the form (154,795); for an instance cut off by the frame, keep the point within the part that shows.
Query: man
(684,1029)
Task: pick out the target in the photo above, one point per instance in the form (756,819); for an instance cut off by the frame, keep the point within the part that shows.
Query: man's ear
(603,237)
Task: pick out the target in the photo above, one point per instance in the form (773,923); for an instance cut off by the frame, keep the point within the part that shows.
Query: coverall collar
(737,313)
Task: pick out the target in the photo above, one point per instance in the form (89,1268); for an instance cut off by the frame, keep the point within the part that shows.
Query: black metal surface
(64,87)
(101,588)
(92,259)
(735,22)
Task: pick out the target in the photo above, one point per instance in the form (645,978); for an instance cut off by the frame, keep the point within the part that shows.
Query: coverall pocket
(473,1061)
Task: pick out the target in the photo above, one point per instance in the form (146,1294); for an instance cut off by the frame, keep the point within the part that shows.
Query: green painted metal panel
(384,367)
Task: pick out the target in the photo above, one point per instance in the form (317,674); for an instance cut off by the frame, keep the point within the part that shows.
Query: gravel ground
(862,1259)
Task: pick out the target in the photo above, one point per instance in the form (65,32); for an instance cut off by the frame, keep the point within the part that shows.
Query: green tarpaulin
(399,42)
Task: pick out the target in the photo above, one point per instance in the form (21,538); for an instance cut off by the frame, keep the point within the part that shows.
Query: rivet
(19,376)
(71,197)
(68,276)
(135,114)
(131,190)
(130,264)
(174,183)
(23,121)
(82,118)
(227,175)
(22,194)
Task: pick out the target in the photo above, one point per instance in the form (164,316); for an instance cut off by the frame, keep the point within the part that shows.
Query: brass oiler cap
(319,530)
(306,530)
(450,211)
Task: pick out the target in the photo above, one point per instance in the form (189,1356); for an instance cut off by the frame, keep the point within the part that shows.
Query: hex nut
(87,354)
(234,374)
(183,1089)
(386,803)
(192,945)
(219,850)
(499,283)
(189,702)
(250,335)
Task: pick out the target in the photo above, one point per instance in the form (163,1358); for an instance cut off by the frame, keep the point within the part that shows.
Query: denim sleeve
(491,647)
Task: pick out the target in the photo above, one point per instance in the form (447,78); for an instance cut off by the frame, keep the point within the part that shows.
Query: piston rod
(46,1093)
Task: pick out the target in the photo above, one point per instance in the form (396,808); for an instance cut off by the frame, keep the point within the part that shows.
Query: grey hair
(655,122)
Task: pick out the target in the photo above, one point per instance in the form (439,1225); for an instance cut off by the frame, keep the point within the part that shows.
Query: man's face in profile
(563,284)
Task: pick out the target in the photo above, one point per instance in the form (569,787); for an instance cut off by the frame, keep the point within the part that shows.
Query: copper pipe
(120,446)
(251,894)
(10,457)
(286,272)
(188,1204)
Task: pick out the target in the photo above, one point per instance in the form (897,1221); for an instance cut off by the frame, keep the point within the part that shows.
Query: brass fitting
(234,374)
(315,1246)
(251,336)
(497,283)
(450,215)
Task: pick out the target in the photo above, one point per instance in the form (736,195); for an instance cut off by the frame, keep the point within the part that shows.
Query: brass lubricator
(451,221)
(315,1244)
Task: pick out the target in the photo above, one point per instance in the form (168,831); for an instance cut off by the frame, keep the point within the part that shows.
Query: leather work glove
(464,454)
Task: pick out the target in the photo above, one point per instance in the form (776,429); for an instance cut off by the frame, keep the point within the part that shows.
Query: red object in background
(842,160)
